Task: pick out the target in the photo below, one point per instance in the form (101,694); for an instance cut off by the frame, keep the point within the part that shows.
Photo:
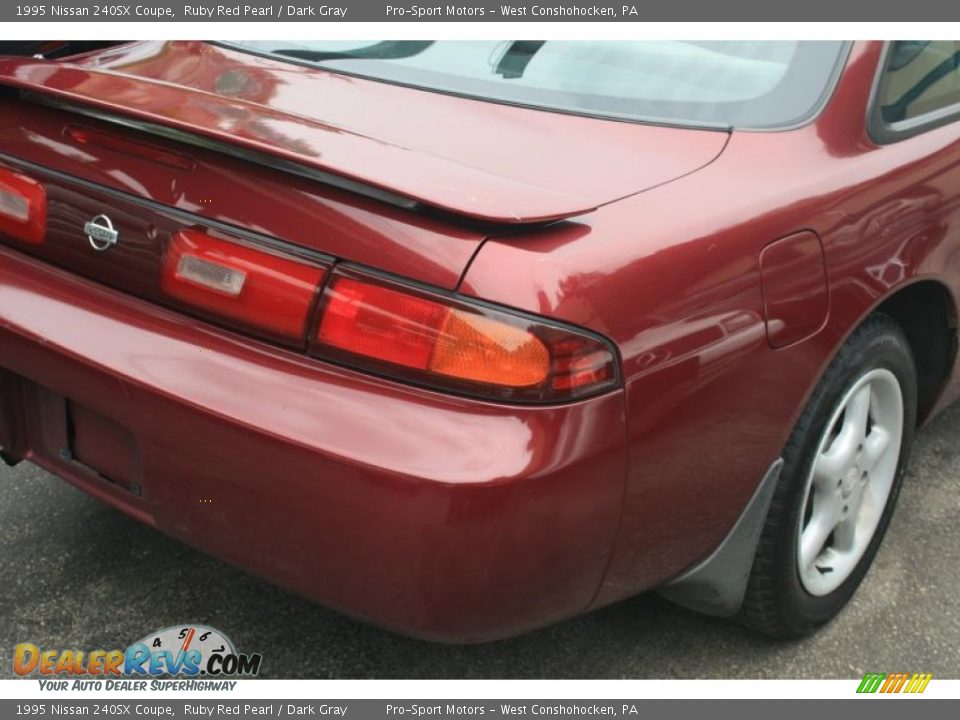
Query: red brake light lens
(452,344)
(23,208)
(271,294)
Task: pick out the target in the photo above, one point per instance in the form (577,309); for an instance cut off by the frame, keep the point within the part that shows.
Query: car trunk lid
(481,160)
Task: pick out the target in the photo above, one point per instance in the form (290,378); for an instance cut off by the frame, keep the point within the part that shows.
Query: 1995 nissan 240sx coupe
(466,338)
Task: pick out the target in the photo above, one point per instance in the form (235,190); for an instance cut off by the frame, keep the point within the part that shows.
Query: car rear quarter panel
(672,276)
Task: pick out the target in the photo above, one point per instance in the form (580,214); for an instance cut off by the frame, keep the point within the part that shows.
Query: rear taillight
(350,317)
(23,208)
(454,344)
(269,293)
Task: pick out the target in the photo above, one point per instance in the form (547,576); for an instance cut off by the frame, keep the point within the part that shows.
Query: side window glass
(921,77)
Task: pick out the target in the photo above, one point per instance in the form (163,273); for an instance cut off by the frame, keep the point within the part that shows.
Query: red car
(467,338)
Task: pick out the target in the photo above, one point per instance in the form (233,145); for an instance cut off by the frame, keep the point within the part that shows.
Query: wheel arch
(926,311)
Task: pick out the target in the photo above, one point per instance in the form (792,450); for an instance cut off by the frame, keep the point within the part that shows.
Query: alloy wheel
(850,481)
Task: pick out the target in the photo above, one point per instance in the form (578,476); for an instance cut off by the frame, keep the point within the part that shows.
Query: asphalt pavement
(77,574)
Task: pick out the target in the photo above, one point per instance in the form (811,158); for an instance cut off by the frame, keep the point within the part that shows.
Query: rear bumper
(438,517)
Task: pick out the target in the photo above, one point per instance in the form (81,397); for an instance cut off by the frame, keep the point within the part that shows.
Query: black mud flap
(716,585)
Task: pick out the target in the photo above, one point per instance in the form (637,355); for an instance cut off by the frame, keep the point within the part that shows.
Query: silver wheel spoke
(835,461)
(854,503)
(868,504)
(826,514)
(874,446)
(857,412)
(847,490)
(843,450)
(845,536)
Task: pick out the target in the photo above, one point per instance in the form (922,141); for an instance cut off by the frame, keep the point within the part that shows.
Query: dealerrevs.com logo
(180,651)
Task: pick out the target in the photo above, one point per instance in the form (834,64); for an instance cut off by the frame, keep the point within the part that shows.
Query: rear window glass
(742,84)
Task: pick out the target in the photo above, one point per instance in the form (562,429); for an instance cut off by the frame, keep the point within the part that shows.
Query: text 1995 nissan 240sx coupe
(466,338)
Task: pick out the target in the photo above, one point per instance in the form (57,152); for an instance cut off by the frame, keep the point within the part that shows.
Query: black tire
(776,603)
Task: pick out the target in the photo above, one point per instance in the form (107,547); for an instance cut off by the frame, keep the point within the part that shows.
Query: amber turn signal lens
(450,343)
(474,347)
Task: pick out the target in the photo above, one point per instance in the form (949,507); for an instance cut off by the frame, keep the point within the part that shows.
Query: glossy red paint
(680,293)
(241,194)
(419,511)
(796,296)
(407,141)
(435,515)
